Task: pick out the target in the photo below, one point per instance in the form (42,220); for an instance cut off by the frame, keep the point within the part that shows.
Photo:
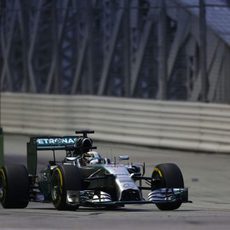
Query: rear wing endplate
(1,148)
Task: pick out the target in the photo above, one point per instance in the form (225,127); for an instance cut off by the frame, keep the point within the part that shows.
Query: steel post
(203,51)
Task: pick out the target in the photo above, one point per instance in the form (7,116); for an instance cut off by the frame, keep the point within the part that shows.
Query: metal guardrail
(179,125)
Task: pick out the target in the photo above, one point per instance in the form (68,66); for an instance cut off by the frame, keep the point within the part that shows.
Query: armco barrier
(180,125)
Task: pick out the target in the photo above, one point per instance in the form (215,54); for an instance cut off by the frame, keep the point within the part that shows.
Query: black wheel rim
(57,185)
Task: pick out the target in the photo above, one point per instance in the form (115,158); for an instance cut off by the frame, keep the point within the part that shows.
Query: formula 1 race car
(85,178)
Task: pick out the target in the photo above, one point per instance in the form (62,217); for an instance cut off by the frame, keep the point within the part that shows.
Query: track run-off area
(206,175)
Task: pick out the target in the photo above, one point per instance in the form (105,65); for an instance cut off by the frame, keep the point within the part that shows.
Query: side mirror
(124,158)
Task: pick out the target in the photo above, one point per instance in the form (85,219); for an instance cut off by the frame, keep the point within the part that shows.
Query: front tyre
(64,178)
(14,186)
(167,176)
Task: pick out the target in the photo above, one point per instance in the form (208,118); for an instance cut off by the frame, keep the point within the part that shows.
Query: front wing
(163,195)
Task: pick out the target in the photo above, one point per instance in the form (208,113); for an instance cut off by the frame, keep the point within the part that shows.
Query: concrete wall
(180,125)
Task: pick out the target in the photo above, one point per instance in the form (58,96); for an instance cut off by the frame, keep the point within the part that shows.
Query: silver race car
(85,178)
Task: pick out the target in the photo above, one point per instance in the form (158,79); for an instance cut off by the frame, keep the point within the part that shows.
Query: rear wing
(44,143)
(54,143)
(80,143)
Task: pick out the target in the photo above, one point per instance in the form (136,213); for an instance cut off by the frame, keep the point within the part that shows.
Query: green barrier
(1,148)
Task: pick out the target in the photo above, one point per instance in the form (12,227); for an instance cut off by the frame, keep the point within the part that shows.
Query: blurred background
(153,49)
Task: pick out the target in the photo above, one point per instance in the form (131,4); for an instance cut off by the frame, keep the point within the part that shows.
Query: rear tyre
(14,186)
(167,176)
(64,178)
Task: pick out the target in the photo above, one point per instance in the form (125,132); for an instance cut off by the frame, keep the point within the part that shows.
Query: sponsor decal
(56,141)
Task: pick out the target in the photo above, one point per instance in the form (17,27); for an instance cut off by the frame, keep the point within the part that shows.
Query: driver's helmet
(92,157)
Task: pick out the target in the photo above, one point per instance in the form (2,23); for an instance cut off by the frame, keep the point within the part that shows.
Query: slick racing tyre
(65,178)
(167,176)
(14,186)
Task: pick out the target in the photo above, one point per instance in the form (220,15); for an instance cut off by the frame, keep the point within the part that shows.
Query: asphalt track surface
(206,175)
